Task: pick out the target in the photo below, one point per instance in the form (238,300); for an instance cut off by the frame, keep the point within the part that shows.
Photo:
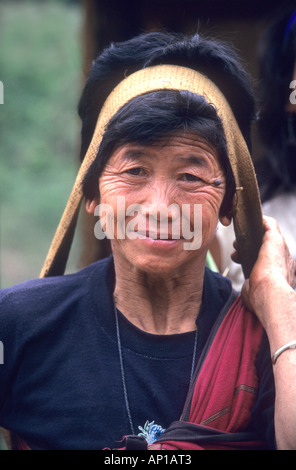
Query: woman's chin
(158,257)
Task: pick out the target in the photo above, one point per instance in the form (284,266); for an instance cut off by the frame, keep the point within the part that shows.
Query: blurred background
(46,48)
(40,68)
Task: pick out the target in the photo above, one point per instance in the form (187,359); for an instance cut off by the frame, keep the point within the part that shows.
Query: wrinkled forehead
(176,150)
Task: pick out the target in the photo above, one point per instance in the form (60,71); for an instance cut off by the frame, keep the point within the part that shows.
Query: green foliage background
(40,67)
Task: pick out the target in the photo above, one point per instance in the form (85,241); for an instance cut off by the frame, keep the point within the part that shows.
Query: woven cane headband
(247,214)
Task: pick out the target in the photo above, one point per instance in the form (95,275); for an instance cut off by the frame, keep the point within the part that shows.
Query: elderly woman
(149,349)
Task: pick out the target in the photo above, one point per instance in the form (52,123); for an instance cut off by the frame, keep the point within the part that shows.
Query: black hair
(276,170)
(213,58)
(158,115)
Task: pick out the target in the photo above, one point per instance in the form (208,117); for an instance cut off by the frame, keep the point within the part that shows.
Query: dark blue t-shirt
(61,382)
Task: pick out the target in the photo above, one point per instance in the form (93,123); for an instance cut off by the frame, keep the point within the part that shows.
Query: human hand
(274,270)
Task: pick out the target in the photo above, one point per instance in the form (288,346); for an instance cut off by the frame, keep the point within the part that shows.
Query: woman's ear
(225,219)
(90,205)
(226,210)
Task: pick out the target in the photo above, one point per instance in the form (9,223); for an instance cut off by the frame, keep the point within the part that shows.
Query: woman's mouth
(159,236)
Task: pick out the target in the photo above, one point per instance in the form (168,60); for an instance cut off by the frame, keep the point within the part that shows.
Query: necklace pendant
(151,432)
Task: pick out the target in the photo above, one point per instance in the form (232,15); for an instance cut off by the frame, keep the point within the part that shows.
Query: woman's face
(164,200)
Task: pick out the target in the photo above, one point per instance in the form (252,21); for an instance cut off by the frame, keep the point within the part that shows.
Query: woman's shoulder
(44,294)
(218,284)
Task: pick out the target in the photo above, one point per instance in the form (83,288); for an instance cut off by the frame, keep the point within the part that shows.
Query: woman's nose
(160,203)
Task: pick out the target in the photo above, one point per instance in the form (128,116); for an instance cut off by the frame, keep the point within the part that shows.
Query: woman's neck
(159,304)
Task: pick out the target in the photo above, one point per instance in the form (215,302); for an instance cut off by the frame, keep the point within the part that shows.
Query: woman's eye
(190,177)
(136,171)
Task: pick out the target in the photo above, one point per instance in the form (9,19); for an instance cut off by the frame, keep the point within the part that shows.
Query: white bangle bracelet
(291,345)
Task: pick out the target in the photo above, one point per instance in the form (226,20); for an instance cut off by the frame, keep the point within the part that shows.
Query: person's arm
(269,293)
